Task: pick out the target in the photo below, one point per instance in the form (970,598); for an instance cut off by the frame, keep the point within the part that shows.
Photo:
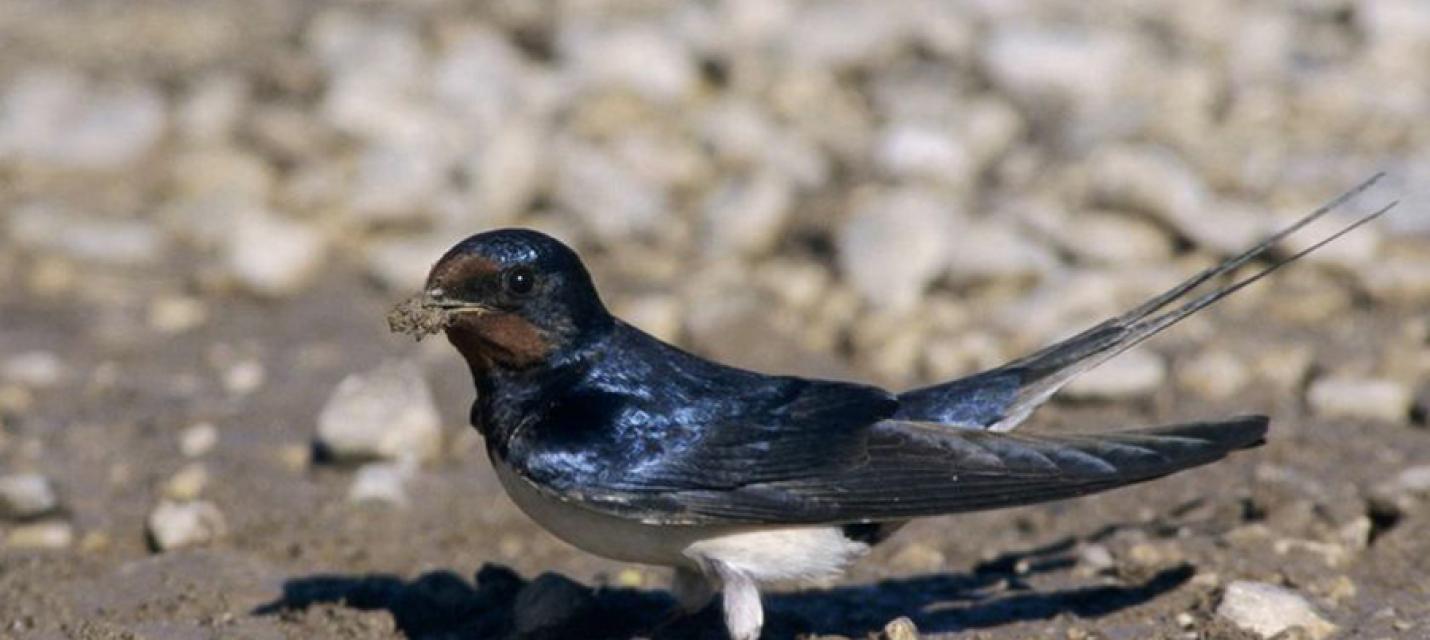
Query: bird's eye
(519,280)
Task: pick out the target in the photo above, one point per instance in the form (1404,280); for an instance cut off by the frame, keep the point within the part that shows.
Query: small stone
(1285,366)
(273,256)
(746,215)
(94,542)
(1186,620)
(901,628)
(921,151)
(1268,610)
(34,369)
(1351,252)
(57,118)
(992,248)
(198,439)
(1343,396)
(800,284)
(1095,558)
(188,483)
(610,199)
(917,557)
(381,482)
(1213,374)
(1155,555)
(1225,227)
(1398,279)
(176,314)
(181,524)
(895,244)
(550,602)
(1402,494)
(1107,238)
(295,457)
(244,377)
(212,109)
(222,173)
(402,263)
(1132,374)
(41,535)
(1149,179)
(386,413)
(1077,67)
(27,495)
(658,315)
(48,226)
(508,173)
(396,183)
(641,59)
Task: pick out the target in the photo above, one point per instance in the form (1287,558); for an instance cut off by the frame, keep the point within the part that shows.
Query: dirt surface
(207,210)
(300,561)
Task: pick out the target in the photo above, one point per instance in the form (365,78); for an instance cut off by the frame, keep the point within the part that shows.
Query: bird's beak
(436,298)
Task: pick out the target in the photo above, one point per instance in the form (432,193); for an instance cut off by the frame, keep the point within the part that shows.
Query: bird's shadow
(501,604)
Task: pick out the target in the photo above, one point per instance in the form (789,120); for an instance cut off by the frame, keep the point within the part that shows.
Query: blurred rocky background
(206,207)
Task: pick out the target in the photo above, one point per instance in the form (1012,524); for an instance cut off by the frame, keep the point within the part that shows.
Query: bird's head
(514,298)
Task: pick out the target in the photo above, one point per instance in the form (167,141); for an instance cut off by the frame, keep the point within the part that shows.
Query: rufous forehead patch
(460,268)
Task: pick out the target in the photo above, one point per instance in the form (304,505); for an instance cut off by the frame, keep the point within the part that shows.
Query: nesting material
(413,318)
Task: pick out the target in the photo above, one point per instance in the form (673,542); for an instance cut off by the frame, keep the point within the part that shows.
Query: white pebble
(273,256)
(36,369)
(924,151)
(1074,66)
(1132,374)
(401,263)
(1268,610)
(1342,396)
(381,482)
(212,108)
(992,248)
(1399,279)
(26,495)
(176,314)
(387,412)
(1214,374)
(1149,179)
(895,244)
(182,524)
(105,240)
(746,215)
(60,119)
(641,59)
(244,377)
(41,535)
(396,183)
(187,483)
(610,199)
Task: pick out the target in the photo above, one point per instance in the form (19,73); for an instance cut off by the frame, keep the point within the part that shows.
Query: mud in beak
(429,312)
(437,300)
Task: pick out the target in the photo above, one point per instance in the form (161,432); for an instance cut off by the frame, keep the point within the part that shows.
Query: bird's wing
(1001,398)
(739,429)
(907,469)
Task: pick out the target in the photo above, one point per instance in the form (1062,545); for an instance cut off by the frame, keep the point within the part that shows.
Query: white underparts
(796,553)
(736,563)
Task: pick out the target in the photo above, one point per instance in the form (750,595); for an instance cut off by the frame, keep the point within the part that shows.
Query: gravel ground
(206,210)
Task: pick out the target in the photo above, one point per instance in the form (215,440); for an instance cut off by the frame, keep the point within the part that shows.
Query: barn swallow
(633,449)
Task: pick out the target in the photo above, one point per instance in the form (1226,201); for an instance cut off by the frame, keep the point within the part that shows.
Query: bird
(634,449)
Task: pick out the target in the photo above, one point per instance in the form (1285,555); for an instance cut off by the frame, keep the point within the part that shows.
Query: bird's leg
(692,591)
(744,615)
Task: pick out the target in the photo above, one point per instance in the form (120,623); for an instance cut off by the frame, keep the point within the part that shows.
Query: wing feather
(914,469)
